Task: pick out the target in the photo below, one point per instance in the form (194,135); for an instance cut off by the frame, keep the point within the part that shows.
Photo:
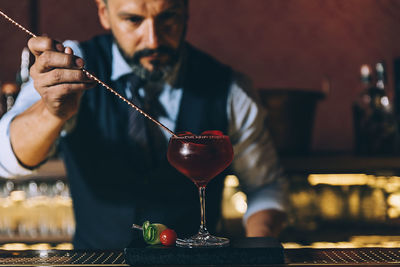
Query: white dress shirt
(255,160)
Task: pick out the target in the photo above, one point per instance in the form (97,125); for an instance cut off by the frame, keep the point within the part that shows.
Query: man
(115,159)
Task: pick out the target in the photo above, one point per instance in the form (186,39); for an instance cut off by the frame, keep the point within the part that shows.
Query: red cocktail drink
(201,158)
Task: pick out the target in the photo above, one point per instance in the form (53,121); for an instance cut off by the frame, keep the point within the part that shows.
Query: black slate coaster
(248,251)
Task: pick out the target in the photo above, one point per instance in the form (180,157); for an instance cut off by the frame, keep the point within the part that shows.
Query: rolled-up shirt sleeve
(255,162)
(10,167)
(9,164)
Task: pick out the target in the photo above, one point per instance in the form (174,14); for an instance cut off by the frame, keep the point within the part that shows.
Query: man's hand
(58,76)
(265,223)
(60,82)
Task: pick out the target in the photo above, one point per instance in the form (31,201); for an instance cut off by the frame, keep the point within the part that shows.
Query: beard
(160,71)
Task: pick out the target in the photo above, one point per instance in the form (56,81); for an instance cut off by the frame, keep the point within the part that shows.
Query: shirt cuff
(9,164)
(270,196)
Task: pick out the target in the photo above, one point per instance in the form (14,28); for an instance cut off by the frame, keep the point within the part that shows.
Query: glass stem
(202,195)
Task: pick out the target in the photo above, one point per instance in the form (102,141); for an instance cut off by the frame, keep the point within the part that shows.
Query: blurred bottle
(9,90)
(23,73)
(8,94)
(361,109)
(3,103)
(376,130)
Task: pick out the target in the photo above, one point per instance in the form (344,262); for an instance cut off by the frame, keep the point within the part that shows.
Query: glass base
(203,241)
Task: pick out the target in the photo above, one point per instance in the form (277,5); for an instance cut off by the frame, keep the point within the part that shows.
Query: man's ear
(102,11)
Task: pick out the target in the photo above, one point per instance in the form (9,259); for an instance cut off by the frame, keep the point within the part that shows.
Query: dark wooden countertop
(293,257)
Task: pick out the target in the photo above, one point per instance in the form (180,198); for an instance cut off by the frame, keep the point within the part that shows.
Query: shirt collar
(119,65)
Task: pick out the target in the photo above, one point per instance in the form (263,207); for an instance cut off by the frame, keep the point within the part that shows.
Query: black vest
(110,190)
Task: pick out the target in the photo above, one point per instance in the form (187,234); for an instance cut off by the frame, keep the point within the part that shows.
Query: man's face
(149,32)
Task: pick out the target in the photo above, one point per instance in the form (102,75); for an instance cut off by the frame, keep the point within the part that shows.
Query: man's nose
(152,38)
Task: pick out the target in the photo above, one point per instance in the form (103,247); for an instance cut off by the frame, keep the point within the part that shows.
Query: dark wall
(278,43)
(11,40)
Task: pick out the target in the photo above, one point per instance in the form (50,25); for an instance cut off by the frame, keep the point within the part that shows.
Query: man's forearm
(265,223)
(33,133)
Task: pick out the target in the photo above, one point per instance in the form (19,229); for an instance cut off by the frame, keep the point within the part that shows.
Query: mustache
(149,52)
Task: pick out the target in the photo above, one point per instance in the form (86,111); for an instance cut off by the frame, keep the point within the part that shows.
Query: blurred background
(304,57)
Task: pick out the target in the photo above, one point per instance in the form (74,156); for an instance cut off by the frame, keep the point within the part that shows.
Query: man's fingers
(49,60)
(37,45)
(51,54)
(60,76)
(68,88)
(68,50)
(78,61)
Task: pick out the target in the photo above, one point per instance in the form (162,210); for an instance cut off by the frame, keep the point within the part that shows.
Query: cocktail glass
(201,158)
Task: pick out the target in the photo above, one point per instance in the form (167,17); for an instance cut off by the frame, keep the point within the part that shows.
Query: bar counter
(293,257)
